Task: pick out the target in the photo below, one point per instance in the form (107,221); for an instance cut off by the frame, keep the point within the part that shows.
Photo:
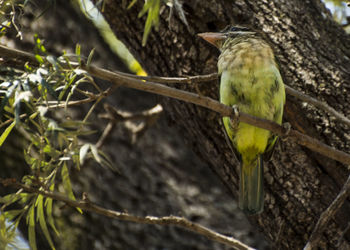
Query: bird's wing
(237,155)
(270,148)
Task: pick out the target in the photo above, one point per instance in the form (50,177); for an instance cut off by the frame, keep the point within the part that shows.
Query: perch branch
(210,77)
(153,87)
(220,108)
(327,215)
(87,205)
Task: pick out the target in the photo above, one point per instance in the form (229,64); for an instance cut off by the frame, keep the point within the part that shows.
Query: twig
(327,215)
(148,117)
(87,205)
(322,105)
(121,79)
(210,77)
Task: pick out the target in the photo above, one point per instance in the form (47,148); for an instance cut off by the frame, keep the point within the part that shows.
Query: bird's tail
(251,187)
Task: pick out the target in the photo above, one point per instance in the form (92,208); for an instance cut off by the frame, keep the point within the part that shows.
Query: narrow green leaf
(77,52)
(40,215)
(11,214)
(131,4)
(48,204)
(147,29)
(39,59)
(90,57)
(155,13)
(145,8)
(67,184)
(6,133)
(31,228)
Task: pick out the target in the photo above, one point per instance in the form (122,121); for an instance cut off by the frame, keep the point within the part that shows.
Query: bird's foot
(234,119)
(286,129)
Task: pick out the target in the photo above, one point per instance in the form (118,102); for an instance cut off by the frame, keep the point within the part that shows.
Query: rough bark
(314,55)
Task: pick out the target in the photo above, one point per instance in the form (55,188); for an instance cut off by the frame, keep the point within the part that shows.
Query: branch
(327,215)
(87,205)
(302,139)
(215,76)
(119,78)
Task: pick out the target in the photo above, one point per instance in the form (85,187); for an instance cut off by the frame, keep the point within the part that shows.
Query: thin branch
(210,77)
(321,105)
(327,215)
(87,205)
(118,79)
(148,117)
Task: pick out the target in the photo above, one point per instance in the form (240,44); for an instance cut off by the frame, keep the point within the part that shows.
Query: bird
(250,82)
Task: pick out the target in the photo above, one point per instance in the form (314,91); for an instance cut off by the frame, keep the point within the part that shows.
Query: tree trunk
(314,55)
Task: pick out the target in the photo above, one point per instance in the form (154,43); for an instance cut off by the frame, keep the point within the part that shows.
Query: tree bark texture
(160,174)
(314,56)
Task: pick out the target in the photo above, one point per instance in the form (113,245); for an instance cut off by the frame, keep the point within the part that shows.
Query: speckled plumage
(251,80)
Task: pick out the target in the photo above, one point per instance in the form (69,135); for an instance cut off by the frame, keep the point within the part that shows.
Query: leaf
(131,4)
(39,59)
(83,152)
(31,228)
(40,215)
(47,86)
(152,18)
(11,214)
(77,52)
(145,8)
(48,204)
(67,184)
(90,57)
(94,152)
(6,132)
(6,98)
(9,199)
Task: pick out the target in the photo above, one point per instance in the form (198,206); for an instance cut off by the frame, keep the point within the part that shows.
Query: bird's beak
(213,37)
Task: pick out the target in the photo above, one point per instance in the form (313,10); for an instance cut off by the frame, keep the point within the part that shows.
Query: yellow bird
(250,81)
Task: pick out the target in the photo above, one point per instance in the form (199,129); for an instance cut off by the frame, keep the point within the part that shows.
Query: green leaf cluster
(34,101)
(151,7)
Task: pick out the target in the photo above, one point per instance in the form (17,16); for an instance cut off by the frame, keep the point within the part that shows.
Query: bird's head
(218,38)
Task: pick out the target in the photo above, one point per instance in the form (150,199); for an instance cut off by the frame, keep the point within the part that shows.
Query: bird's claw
(286,129)
(234,119)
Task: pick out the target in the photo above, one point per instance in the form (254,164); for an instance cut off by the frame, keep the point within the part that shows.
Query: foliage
(29,103)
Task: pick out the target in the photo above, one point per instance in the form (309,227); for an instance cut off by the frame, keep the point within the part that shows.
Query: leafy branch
(87,205)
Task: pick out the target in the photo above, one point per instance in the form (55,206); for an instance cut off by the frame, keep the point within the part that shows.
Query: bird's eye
(231,28)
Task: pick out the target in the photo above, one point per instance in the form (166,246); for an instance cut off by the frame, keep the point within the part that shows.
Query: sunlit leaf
(83,152)
(95,154)
(6,133)
(39,59)
(23,95)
